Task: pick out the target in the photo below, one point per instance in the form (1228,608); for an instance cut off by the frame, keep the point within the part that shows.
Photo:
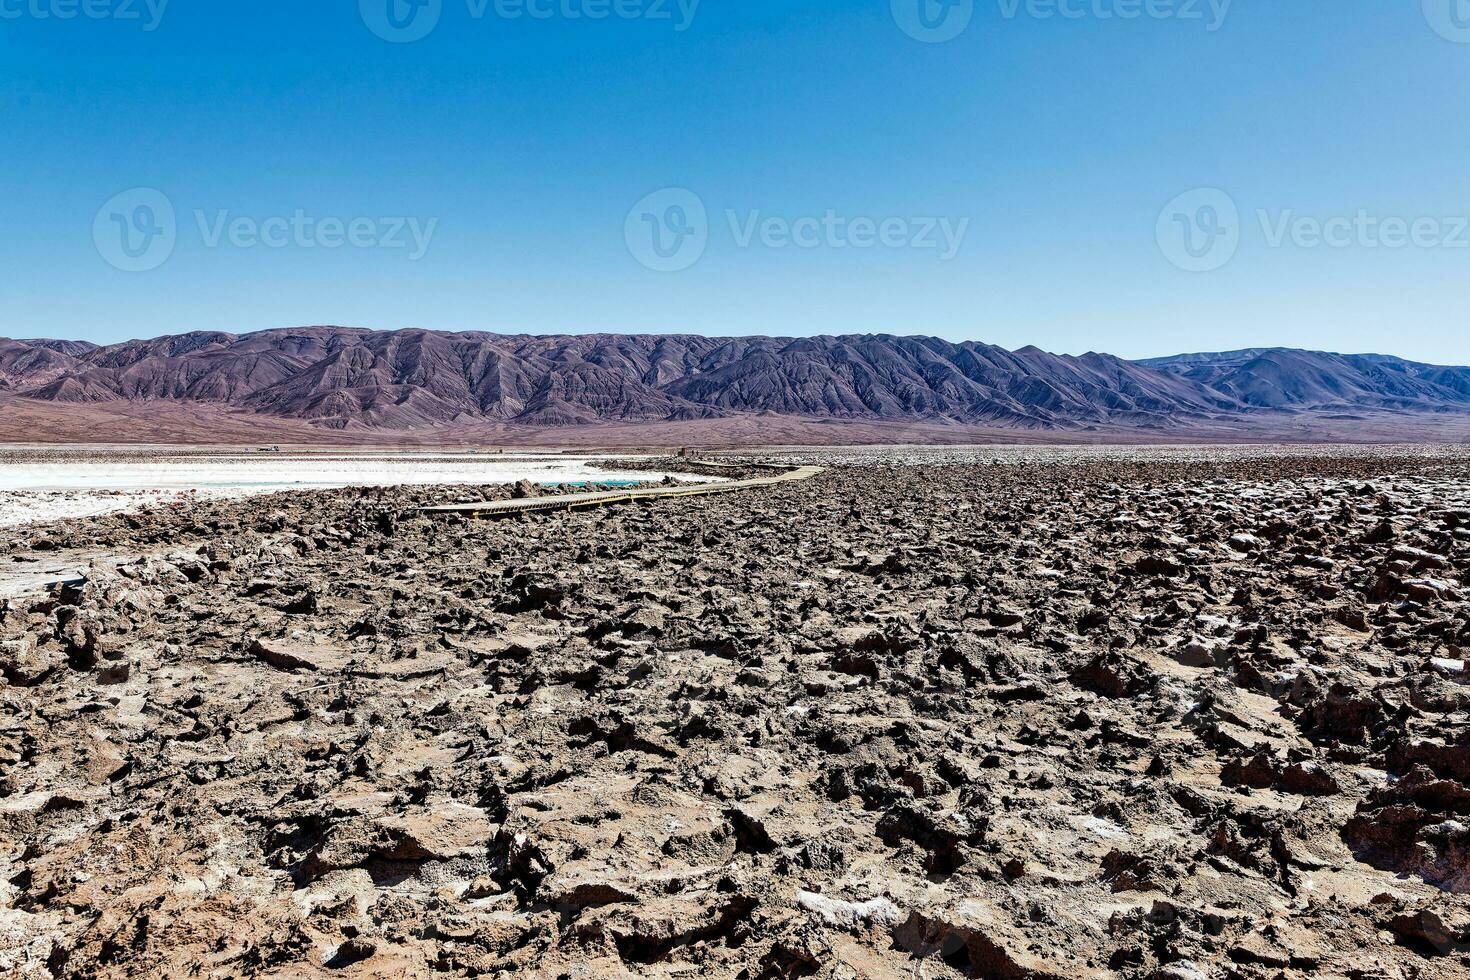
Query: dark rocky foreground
(1117,717)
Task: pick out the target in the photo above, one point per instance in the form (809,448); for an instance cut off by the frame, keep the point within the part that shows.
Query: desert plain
(1014,714)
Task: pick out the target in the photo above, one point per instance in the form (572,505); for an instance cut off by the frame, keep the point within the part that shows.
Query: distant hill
(346,378)
(1300,379)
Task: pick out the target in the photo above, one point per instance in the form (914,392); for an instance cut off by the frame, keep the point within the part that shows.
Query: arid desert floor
(1024,714)
(48,483)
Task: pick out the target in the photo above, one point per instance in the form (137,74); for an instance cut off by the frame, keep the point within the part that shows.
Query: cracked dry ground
(1158,720)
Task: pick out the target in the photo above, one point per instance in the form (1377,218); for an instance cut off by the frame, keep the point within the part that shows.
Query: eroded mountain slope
(340,378)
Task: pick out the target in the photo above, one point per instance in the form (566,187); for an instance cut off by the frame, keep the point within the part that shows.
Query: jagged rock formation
(958,714)
(343,378)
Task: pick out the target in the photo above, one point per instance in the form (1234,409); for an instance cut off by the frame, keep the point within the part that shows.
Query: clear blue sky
(524,142)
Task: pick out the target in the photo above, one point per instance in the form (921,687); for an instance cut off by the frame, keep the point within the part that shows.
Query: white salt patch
(849,915)
(1098,827)
(37,492)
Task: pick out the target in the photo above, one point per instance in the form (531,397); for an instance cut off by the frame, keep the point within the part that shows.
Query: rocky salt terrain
(1133,715)
(39,484)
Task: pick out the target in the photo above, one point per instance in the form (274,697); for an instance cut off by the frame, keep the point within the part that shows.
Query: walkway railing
(605,498)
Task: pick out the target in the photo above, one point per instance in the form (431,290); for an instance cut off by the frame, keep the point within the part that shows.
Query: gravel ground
(1161,716)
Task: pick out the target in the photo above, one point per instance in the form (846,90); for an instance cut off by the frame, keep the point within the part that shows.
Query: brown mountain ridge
(341,378)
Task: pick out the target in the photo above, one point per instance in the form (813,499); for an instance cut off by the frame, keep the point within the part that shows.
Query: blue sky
(496,174)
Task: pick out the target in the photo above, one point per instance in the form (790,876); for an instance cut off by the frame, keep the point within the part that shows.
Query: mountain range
(340,378)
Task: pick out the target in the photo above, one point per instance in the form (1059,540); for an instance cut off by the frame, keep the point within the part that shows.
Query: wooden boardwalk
(606,498)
